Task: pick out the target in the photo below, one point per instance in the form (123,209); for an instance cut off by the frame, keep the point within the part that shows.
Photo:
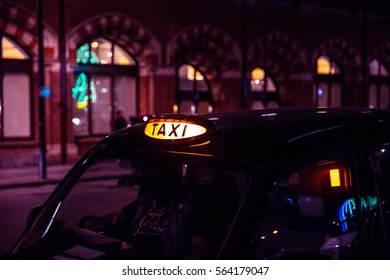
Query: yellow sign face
(170,129)
(335,177)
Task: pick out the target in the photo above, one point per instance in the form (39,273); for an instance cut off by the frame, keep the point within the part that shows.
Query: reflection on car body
(258,184)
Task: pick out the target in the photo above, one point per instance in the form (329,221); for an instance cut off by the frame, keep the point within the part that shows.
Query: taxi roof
(273,136)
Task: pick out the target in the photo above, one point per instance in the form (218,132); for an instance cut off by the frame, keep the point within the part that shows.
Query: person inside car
(166,222)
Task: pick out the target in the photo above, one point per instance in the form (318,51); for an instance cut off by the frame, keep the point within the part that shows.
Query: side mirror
(33,214)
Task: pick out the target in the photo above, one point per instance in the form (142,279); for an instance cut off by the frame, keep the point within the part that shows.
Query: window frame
(378,81)
(264,97)
(329,80)
(111,71)
(17,66)
(113,51)
(194,97)
(359,161)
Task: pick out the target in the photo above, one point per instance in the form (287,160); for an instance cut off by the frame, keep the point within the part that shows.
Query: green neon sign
(84,55)
(79,92)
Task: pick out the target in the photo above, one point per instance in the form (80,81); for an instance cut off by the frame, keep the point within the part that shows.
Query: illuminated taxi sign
(173,129)
(335,177)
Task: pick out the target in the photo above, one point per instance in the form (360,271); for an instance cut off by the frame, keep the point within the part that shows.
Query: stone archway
(339,51)
(275,52)
(280,55)
(122,30)
(208,48)
(21,26)
(341,88)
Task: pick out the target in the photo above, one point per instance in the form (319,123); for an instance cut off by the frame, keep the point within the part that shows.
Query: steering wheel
(108,227)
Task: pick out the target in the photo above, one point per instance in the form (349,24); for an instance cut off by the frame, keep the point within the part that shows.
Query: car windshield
(147,207)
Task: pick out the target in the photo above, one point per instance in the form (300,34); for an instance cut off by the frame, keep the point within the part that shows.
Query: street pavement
(29,176)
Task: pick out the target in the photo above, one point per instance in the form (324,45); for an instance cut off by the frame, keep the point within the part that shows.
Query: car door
(381,166)
(314,213)
(369,207)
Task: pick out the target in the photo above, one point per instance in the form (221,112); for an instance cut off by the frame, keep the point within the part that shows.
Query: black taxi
(302,183)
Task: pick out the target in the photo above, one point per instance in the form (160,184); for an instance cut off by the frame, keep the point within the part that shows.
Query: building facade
(71,69)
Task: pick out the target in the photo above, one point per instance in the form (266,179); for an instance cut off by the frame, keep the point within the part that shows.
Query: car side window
(97,193)
(312,215)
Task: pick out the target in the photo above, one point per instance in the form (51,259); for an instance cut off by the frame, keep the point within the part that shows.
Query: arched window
(15,91)
(105,82)
(11,51)
(264,93)
(327,83)
(101,51)
(379,85)
(193,93)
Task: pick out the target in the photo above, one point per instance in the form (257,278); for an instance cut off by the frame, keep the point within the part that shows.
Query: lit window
(15,96)
(326,67)
(263,90)
(192,74)
(258,74)
(121,57)
(379,86)
(260,81)
(187,75)
(377,69)
(101,51)
(17,105)
(193,91)
(257,81)
(11,50)
(327,90)
(105,82)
